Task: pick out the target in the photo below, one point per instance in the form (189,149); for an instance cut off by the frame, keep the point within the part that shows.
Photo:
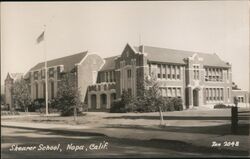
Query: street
(71,146)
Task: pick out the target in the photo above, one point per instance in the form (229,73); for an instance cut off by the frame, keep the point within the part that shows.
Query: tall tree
(21,94)
(149,95)
(68,99)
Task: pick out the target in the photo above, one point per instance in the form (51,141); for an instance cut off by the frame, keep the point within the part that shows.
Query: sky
(220,27)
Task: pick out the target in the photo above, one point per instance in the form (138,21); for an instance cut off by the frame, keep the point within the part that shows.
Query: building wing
(156,54)
(68,62)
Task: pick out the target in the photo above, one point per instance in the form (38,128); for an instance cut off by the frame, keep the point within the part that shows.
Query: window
(52,89)
(222,93)
(105,77)
(51,72)
(178,72)
(213,74)
(43,74)
(196,72)
(149,69)
(174,92)
(159,71)
(169,92)
(210,94)
(36,87)
(179,92)
(163,92)
(36,75)
(59,72)
(207,94)
(218,94)
(44,90)
(129,73)
(168,71)
(114,76)
(214,94)
(173,72)
(164,71)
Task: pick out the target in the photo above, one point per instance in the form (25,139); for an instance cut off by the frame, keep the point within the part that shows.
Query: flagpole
(46,75)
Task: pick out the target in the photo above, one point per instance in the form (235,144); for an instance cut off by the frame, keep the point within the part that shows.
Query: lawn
(186,118)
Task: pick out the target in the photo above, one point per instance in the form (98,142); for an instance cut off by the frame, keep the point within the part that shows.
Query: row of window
(107,76)
(216,94)
(196,72)
(44,89)
(241,99)
(215,74)
(51,73)
(170,91)
(166,71)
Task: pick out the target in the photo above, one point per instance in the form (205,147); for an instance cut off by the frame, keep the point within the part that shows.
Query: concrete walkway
(197,139)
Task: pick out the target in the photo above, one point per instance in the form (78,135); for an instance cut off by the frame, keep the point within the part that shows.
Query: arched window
(52,89)
(36,87)
(44,90)
(103,100)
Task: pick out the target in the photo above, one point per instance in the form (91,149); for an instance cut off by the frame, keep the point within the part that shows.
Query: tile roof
(109,63)
(68,62)
(157,54)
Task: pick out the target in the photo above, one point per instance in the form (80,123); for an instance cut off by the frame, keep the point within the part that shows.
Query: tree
(2,99)
(21,94)
(149,95)
(68,99)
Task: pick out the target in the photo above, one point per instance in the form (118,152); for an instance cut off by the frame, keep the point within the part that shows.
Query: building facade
(242,97)
(83,65)
(198,78)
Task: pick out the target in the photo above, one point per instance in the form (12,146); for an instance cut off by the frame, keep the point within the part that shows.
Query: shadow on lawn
(124,147)
(224,129)
(247,117)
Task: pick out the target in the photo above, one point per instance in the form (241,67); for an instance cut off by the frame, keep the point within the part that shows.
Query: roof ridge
(111,56)
(64,57)
(177,49)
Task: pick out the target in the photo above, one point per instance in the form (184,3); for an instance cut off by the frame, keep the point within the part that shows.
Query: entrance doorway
(93,101)
(196,97)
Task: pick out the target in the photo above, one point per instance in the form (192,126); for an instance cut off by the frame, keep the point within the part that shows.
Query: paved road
(89,146)
(32,140)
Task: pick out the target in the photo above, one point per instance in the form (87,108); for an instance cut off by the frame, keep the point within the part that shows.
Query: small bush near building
(177,102)
(221,106)
(37,105)
(117,106)
(5,113)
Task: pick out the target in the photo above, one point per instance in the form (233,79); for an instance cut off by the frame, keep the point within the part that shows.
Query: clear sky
(220,27)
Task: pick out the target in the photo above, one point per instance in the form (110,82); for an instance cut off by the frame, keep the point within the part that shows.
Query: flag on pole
(40,38)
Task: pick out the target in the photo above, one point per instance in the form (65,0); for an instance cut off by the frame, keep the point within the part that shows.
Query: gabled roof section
(109,63)
(156,54)
(68,62)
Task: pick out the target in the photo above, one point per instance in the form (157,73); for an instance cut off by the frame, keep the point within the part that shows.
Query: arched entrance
(196,97)
(93,101)
(103,100)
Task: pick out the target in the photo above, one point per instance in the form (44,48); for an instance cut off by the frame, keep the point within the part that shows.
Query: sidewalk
(197,139)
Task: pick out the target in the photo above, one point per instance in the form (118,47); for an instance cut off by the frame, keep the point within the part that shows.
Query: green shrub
(177,102)
(221,106)
(118,106)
